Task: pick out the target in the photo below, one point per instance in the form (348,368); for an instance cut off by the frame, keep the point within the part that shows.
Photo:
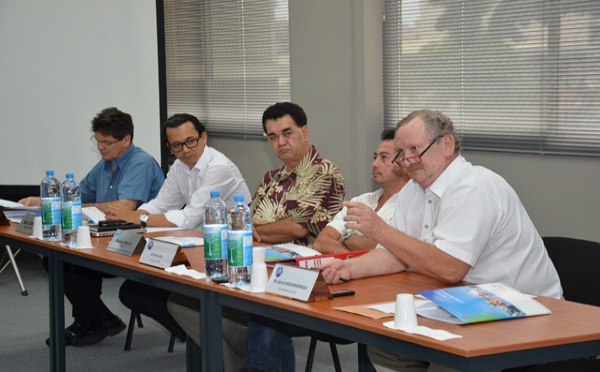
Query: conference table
(572,330)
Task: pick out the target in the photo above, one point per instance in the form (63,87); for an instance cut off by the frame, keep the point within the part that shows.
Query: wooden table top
(569,322)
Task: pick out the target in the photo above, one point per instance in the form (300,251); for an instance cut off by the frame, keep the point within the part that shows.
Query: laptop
(109,227)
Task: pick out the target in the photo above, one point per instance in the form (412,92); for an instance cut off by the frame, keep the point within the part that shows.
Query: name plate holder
(126,242)
(26,224)
(3,220)
(163,254)
(298,283)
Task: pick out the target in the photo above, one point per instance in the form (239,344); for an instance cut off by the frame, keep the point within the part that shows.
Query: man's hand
(256,222)
(334,271)
(364,219)
(120,212)
(31,201)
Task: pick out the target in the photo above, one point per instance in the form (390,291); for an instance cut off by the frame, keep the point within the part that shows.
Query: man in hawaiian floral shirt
(292,204)
(295,202)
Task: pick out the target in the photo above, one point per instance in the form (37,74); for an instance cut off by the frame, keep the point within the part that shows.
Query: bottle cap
(70,175)
(238,198)
(214,193)
(49,173)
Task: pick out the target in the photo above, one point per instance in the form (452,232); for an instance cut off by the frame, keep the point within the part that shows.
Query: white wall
(63,61)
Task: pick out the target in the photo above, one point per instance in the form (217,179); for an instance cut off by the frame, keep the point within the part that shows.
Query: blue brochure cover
(484,303)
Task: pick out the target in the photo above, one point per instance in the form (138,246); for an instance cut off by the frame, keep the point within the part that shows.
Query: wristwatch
(144,220)
(345,236)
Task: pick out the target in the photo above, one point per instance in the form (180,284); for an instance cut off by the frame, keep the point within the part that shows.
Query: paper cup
(259,278)
(84,240)
(258,254)
(37,228)
(406,315)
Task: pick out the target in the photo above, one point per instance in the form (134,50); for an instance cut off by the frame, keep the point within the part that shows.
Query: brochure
(182,241)
(479,303)
(288,252)
(316,261)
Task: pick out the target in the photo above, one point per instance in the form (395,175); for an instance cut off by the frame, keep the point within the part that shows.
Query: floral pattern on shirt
(310,195)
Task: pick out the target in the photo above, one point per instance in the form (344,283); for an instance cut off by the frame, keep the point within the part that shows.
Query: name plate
(163,254)
(126,242)
(26,225)
(297,283)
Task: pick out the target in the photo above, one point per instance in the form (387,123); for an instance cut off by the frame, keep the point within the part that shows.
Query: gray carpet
(24,327)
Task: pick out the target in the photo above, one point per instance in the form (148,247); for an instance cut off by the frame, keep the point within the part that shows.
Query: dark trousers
(151,302)
(83,288)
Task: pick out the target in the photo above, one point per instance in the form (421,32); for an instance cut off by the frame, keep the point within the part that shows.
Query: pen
(344,280)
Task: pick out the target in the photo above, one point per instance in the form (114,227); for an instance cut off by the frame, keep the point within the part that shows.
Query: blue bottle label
(71,214)
(239,247)
(215,242)
(51,211)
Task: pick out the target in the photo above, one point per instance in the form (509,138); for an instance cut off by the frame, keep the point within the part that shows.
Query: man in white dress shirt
(454,222)
(197,170)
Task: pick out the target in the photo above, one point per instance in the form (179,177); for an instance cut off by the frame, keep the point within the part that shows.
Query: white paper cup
(37,228)
(259,278)
(406,315)
(84,240)
(258,254)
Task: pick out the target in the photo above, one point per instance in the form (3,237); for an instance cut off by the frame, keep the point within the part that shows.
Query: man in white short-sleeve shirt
(335,237)
(453,222)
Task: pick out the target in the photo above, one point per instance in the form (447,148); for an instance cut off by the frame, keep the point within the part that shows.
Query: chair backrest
(578,264)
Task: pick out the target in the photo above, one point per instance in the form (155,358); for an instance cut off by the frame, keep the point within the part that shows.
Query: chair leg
(171,343)
(336,357)
(139,320)
(130,328)
(12,261)
(311,354)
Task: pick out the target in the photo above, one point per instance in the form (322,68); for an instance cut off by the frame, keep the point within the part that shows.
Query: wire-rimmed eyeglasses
(190,143)
(104,143)
(413,159)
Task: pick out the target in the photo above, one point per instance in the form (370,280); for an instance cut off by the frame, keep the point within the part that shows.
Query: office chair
(576,262)
(363,358)
(13,262)
(332,341)
(150,301)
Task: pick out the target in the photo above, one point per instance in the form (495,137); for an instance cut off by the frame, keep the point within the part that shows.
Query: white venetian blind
(226,61)
(513,75)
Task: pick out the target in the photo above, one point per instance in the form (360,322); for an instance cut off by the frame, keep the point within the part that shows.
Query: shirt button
(429,201)
(426,226)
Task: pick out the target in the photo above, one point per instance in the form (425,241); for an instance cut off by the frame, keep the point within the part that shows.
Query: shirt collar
(117,164)
(441,183)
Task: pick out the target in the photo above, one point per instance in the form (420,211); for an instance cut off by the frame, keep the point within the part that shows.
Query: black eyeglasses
(190,143)
(413,159)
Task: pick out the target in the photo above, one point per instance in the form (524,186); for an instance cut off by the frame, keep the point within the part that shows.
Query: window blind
(519,76)
(226,61)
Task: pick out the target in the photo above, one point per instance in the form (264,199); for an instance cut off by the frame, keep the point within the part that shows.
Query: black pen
(344,280)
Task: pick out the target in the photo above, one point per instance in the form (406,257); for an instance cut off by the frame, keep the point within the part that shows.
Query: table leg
(57,313)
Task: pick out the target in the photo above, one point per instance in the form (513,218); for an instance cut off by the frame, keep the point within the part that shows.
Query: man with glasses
(292,204)
(125,177)
(197,170)
(454,222)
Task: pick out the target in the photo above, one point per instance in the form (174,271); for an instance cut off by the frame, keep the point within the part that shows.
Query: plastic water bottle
(50,195)
(239,242)
(215,236)
(71,209)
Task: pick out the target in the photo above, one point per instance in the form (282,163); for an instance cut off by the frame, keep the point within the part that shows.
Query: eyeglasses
(178,146)
(104,143)
(413,159)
